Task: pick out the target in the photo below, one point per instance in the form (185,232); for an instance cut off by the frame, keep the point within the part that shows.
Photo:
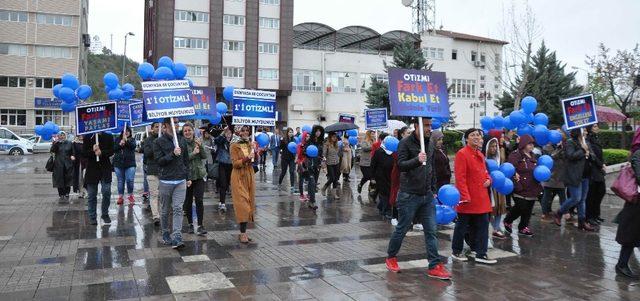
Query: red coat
(471,173)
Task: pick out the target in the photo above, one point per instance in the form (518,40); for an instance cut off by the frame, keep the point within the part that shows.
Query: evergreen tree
(547,82)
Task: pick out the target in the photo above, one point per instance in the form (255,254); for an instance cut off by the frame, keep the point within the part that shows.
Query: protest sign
(348,118)
(137,115)
(123,108)
(418,93)
(94,118)
(579,111)
(204,103)
(254,107)
(167,99)
(375,118)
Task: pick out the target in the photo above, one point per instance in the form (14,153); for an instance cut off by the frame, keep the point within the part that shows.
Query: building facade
(40,41)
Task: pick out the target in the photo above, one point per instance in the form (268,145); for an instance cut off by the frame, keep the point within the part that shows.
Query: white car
(40,145)
(12,144)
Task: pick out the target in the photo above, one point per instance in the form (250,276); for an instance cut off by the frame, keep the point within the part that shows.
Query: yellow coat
(243,185)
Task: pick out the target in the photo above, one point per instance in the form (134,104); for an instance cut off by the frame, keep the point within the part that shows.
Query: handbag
(625,186)
(49,165)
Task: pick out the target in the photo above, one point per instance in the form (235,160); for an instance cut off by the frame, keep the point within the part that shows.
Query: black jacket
(171,167)
(98,170)
(596,160)
(124,156)
(149,161)
(575,162)
(415,178)
(381,167)
(287,156)
(63,166)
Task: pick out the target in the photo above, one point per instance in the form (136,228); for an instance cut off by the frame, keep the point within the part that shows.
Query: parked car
(40,145)
(12,144)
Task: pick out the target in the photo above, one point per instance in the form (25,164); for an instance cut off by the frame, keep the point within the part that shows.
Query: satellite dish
(407,2)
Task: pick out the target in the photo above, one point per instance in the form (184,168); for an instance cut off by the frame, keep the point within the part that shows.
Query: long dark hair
(285,137)
(128,129)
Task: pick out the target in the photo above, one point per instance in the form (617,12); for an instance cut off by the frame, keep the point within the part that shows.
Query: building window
(233,20)
(58,117)
(53,52)
(307,80)
(454,54)
(233,72)
(270,2)
(482,78)
(13,82)
(474,56)
(13,16)
(233,45)
(268,74)
(497,61)
(483,57)
(365,79)
(463,88)
(53,19)
(196,70)
(344,82)
(433,53)
(192,16)
(191,43)
(47,83)
(13,49)
(270,48)
(270,23)
(13,117)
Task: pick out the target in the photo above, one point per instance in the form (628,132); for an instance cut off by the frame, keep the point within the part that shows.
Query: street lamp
(473,106)
(484,96)
(124,55)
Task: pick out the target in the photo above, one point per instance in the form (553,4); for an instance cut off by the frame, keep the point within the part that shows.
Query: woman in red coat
(472,180)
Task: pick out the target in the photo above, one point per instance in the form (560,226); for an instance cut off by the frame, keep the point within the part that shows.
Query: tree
(547,81)
(405,56)
(99,64)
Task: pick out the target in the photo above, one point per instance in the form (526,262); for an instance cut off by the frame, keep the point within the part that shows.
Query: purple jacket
(527,187)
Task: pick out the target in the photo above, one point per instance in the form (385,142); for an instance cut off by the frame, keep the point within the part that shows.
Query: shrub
(615,156)
(452,141)
(613,139)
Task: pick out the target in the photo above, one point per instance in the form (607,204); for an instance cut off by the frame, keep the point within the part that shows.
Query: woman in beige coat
(243,189)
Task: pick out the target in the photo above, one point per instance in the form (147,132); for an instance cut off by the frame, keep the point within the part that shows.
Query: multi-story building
(39,41)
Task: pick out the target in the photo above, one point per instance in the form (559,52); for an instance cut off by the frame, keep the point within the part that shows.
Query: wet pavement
(49,251)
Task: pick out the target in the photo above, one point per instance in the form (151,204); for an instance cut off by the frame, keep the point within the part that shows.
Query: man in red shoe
(415,199)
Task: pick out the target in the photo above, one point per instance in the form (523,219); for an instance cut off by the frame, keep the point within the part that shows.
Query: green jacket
(196,161)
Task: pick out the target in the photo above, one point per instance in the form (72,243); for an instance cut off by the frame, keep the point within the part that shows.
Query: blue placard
(347,118)
(254,107)
(579,111)
(375,119)
(204,103)
(418,93)
(123,108)
(45,102)
(96,118)
(167,99)
(137,115)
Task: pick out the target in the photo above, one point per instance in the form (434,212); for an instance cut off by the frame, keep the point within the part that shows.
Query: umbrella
(606,114)
(393,125)
(340,126)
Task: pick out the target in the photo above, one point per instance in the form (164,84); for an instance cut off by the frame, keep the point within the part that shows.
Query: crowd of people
(403,183)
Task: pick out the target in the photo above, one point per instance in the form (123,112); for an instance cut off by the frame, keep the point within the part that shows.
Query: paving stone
(198,282)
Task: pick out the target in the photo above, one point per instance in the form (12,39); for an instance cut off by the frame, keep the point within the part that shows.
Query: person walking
(197,174)
(243,190)
(345,159)
(417,189)
(173,161)
(577,154)
(364,147)
(441,163)
(382,164)
(555,186)
(305,168)
(98,171)
(628,232)
(472,180)
(287,163)
(597,187)
(274,147)
(331,156)
(124,163)
(224,166)
(79,165)
(64,158)
(262,151)
(526,188)
(150,166)
(492,150)
(318,140)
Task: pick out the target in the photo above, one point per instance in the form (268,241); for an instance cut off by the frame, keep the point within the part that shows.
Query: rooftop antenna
(423,16)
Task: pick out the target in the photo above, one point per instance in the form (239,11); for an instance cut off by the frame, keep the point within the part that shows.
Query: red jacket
(471,173)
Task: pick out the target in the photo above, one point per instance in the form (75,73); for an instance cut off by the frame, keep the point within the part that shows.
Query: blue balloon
(486,122)
(67,95)
(292,147)
(180,70)
(306,128)
(492,165)
(542,173)
(167,62)
(498,122)
(216,119)
(497,179)
(517,118)
(56,90)
(115,94)
(49,127)
(340,144)
(540,133)
(444,215)
(128,90)
(391,143)
(508,124)
(530,117)
(110,80)
(39,130)
(297,139)
(312,151)
(546,160)
(507,187)
(68,107)
(352,133)
(529,104)
(46,136)
(227,93)
(525,129)
(70,81)
(163,73)
(541,119)
(190,82)
(508,170)
(555,136)
(221,107)
(84,92)
(146,71)
(436,124)
(449,195)
(353,140)
(263,140)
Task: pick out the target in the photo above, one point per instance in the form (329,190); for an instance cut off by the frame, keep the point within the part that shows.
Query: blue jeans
(125,175)
(423,208)
(275,152)
(92,199)
(577,199)
(172,197)
(477,226)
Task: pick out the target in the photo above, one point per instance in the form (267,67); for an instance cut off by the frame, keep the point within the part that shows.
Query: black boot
(584,226)
(626,271)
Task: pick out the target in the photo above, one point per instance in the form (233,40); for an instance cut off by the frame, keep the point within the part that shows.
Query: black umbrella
(340,126)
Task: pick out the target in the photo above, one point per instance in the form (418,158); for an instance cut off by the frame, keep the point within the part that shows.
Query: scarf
(238,139)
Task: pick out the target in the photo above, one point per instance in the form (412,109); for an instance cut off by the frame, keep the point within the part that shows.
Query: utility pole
(124,55)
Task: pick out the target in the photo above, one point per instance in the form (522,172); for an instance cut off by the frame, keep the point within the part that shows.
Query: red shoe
(131,199)
(120,200)
(392,264)
(439,272)
(303,198)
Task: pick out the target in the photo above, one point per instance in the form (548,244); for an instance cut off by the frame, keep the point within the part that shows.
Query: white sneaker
(459,257)
(222,207)
(418,227)
(485,260)
(394,222)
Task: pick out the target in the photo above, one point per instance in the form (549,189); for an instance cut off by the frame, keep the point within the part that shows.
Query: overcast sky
(572,28)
